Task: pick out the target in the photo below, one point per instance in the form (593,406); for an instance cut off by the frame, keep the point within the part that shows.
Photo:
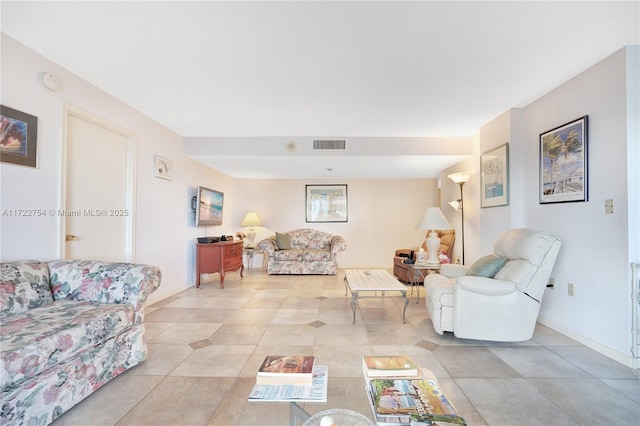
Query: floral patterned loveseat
(67,328)
(309,252)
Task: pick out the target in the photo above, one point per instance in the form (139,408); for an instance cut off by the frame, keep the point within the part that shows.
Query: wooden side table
(418,272)
(218,257)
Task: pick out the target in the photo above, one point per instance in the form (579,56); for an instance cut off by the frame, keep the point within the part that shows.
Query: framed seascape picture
(563,163)
(494,176)
(18,137)
(326,203)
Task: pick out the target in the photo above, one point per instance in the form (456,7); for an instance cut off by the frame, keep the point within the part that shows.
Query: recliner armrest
(453,270)
(485,286)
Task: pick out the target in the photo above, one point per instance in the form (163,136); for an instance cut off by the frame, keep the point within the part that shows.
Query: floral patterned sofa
(67,328)
(303,251)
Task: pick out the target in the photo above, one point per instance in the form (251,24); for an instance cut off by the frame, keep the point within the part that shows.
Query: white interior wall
(164,230)
(594,256)
(382,214)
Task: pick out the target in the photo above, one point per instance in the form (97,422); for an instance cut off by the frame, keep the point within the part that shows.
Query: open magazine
(317,392)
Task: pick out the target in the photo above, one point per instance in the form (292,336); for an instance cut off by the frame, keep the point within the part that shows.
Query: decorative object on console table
(563,163)
(19,139)
(494,177)
(460,178)
(218,257)
(326,203)
(251,220)
(433,219)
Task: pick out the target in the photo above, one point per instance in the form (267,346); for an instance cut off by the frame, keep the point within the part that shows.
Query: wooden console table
(218,257)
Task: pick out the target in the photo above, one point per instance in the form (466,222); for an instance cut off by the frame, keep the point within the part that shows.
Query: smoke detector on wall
(291,146)
(50,81)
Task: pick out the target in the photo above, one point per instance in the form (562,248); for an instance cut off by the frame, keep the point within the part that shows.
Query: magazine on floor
(317,392)
(395,402)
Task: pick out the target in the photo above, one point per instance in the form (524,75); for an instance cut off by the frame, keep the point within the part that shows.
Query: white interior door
(98,187)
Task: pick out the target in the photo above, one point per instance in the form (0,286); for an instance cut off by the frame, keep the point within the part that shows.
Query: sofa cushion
(42,337)
(487,266)
(24,285)
(283,241)
(310,239)
(316,255)
(288,255)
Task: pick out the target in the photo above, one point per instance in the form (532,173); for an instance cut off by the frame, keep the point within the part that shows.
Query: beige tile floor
(205,346)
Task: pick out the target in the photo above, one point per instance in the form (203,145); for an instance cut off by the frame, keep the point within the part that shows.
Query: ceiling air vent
(329,144)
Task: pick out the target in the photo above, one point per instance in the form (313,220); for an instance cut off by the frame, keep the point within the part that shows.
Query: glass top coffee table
(417,272)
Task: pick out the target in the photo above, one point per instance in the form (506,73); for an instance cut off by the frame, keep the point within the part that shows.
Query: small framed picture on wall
(494,177)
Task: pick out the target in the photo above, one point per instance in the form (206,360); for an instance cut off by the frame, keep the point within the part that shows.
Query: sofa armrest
(453,270)
(485,286)
(268,245)
(104,282)
(338,244)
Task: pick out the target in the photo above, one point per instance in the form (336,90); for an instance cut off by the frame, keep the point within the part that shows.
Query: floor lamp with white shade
(460,178)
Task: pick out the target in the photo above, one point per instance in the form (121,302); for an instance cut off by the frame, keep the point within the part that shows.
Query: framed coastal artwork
(18,137)
(563,163)
(494,177)
(326,203)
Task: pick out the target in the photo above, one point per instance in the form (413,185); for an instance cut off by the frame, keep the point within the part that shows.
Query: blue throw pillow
(487,266)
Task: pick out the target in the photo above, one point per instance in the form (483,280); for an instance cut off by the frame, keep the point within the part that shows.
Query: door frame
(70,110)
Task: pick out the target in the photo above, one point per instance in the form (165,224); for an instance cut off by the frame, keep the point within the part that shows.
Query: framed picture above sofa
(19,137)
(326,203)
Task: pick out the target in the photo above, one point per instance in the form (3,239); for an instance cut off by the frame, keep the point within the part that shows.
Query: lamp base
(433,244)
(251,237)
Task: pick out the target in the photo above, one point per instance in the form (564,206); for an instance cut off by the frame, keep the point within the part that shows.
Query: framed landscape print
(494,177)
(326,203)
(18,137)
(563,163)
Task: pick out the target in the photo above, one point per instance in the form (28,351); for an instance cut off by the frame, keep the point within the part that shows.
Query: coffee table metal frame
(376,280)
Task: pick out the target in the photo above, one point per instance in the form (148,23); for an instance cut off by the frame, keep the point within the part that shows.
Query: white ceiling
(253,75)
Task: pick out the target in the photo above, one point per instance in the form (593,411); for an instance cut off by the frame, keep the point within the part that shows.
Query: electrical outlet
(570,290)
(608,206)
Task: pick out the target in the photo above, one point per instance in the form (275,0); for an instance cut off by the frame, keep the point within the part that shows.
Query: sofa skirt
(297,267)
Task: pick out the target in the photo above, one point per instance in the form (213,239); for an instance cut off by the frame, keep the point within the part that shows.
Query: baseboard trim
(626,360)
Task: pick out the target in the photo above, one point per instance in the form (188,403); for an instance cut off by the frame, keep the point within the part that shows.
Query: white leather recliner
(503,308)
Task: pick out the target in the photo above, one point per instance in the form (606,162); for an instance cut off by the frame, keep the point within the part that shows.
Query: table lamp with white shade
(251,220)
(433,219)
